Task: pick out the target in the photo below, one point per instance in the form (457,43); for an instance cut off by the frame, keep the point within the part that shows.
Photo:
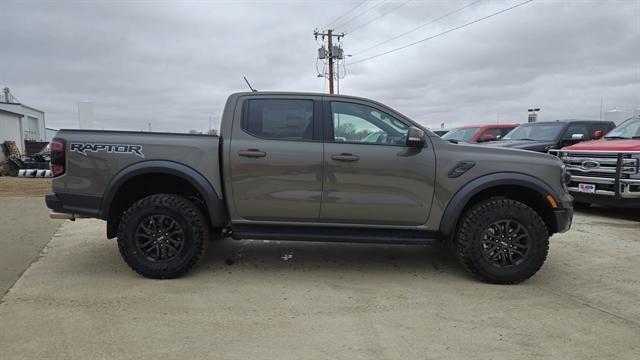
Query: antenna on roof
(250,87)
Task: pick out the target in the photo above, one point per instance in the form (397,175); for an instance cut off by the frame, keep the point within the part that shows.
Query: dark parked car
(546,135)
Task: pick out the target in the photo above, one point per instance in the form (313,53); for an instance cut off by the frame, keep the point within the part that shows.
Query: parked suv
(545,135)
(305,167)
(605,171)
(478,133)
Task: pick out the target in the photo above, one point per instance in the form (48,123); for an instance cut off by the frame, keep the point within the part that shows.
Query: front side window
(365,124)
(504,131)
(280,119)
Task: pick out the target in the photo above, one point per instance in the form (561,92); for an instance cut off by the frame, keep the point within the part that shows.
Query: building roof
(10,112)
(23,105)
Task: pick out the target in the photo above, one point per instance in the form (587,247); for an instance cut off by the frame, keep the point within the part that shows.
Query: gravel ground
(328,301)
(20,186)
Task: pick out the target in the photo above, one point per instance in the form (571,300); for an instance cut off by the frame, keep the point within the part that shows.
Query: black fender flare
(214,202)
(461,198)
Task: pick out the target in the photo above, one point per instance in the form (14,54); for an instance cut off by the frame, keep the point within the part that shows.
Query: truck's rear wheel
(502,241)
(162,236)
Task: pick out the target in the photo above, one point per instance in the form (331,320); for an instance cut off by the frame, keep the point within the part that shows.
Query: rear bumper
(79,205)
(53,202)
(563,217)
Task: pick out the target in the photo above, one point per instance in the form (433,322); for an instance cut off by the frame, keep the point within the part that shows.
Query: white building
(19,122)
(50,134)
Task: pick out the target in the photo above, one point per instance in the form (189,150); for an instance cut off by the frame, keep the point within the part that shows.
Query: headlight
(566,177)
(634,168)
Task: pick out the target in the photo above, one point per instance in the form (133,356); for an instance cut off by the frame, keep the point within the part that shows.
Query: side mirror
(487,138)
(577,137)
(415,137)
(597,134)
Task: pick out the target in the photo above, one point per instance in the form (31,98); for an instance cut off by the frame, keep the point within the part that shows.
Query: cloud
(174,63)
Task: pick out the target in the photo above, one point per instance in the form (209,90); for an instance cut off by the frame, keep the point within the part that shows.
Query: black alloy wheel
(505,243)
(159,238)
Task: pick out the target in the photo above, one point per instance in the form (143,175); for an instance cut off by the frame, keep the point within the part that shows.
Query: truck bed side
(98,163)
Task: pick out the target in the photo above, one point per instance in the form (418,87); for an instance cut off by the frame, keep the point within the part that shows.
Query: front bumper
(616,188)
(563,218)
(607,200)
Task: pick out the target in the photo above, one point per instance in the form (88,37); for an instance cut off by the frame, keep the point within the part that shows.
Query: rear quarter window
(279,119)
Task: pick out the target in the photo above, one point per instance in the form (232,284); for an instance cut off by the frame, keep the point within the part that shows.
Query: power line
(442,33)
(347,13)
(417,27)
(380,16)
(342,24)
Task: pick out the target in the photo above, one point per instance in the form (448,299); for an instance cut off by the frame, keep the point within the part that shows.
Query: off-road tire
(185,214)
(477,219)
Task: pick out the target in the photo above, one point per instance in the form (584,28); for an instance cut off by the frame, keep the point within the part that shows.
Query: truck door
(276,159)
(371,176)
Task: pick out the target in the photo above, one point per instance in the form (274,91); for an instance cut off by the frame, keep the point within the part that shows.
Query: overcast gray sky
(173,63)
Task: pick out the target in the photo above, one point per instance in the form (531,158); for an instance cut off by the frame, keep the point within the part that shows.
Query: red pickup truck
(605,171)
(479,133)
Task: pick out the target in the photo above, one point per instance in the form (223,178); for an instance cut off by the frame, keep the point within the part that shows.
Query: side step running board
(334,234)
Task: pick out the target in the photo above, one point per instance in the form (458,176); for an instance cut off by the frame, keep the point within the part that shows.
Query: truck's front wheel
(162,236)
(502,241)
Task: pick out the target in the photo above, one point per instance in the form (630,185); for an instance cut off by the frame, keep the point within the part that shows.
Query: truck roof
(486,126)
(299,93)
(569,121)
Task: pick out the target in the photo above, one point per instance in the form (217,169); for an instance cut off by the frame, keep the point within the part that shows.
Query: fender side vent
(460,168)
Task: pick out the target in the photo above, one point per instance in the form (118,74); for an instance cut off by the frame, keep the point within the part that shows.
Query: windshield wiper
(527,139)
(616,137)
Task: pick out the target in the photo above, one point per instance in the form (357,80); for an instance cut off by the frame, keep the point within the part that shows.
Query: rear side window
(576,129)
(495,132)
(604,127)
(279,119)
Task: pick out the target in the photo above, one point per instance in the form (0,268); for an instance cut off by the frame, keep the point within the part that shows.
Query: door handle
(252,153)
(345,157)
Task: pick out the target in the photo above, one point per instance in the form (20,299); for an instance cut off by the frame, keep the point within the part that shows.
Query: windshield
(537,132)
(629,129)
(461,134)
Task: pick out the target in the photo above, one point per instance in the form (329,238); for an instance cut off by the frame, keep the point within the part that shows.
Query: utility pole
(330,40)
(333,53)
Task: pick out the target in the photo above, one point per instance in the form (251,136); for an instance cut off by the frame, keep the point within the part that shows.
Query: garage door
(10,129)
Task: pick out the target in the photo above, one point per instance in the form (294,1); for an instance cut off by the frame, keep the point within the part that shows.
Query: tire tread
(193,216)
(467,227)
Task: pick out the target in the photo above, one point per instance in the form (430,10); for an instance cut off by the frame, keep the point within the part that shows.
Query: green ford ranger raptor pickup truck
(311,167)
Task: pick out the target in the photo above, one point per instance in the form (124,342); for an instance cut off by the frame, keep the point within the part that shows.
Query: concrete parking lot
(266,300)
(25,228)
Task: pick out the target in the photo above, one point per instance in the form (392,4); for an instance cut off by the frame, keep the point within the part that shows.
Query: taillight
(57,161)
